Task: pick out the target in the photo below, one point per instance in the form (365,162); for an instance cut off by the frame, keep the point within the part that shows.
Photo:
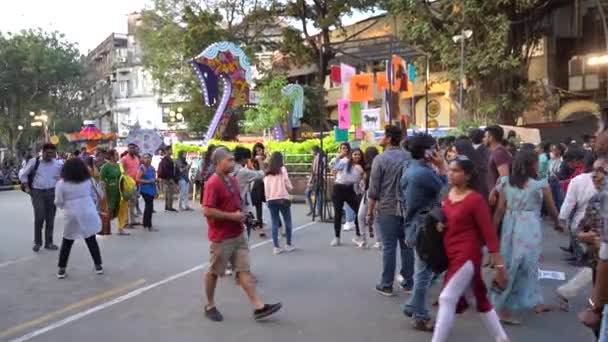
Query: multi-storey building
(124,96)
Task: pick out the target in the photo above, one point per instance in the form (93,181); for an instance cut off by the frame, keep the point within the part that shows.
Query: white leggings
(456,287)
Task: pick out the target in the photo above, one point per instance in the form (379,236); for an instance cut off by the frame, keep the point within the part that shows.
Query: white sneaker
(228,272)
(360,243)
(289,248)
(277,250)
(378,245)
(335,242)
(348,226)
(399,279)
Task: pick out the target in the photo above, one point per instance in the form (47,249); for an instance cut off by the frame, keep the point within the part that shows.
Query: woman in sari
(110,177)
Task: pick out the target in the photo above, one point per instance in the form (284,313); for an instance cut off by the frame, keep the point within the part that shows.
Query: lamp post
(464,35)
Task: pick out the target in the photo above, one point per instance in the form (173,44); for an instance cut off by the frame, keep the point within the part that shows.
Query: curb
(10,187)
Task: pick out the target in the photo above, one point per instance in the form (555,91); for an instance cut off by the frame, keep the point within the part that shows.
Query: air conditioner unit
(576,66)
(123,133)
(122,59)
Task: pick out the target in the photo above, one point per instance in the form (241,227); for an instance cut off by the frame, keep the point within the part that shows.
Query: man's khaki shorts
(235,250)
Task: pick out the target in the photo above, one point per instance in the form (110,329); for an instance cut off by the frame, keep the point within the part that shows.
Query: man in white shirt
(39,177)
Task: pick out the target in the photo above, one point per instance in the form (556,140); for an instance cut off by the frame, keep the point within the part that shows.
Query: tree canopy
(38,71)
(505,32)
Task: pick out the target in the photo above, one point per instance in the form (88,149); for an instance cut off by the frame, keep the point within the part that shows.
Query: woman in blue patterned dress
(519,206)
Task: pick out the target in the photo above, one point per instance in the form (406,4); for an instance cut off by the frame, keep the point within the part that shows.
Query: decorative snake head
(208,81)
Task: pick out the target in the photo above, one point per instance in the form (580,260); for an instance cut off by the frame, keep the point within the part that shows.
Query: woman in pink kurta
(467,229)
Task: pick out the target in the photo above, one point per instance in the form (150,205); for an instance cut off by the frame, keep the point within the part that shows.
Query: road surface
(152,289)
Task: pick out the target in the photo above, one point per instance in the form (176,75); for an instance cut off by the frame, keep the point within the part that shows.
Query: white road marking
(15,261)
(128,295)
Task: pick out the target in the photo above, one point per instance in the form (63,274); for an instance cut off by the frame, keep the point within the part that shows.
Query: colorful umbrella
(148,140)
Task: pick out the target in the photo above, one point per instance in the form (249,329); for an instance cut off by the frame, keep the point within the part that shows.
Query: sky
(85,22)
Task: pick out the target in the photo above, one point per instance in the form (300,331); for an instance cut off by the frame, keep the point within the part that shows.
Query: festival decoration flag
(359,133)
(346,73)
(355,113)
(381,80)
(361,88)
(411,72)
(341,134)
(371,119)
(344,113)
(336,74)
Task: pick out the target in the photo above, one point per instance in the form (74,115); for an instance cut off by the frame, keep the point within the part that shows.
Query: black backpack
(429,242)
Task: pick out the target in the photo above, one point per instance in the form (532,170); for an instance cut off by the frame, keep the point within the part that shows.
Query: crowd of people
(448,207)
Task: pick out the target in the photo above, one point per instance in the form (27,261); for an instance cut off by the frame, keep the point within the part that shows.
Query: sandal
(564,304)
(542,308)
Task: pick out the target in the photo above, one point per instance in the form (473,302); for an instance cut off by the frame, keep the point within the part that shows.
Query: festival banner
(336,74)
(359,133)
(362,88)
(344,113)
(341,134)
(355,113)
(346,72)
(371,119)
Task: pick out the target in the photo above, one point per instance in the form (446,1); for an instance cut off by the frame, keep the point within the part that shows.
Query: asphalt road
(152,289)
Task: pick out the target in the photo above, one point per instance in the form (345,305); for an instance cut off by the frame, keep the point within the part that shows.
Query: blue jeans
(351,216)
(393,232)
(282,207)
(416,304)
(308,193)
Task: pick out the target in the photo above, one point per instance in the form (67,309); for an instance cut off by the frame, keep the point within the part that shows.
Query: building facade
(124,96)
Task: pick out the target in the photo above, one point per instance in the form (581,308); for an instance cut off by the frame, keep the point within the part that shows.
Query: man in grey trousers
(39,176)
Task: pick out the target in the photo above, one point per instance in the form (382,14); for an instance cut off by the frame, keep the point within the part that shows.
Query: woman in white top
(347,176)
(76,194)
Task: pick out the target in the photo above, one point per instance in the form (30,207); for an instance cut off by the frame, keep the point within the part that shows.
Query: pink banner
(344,113)
(359,134)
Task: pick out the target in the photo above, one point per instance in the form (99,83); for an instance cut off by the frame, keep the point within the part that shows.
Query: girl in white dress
(76,194)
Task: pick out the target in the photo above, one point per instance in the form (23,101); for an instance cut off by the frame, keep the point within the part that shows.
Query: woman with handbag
(146,177)
(277,186)
(468,228)
(75,193)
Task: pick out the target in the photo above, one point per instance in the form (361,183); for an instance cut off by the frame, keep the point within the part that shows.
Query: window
(123,88)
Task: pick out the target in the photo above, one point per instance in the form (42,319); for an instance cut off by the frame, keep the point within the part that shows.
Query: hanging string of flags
(358,91)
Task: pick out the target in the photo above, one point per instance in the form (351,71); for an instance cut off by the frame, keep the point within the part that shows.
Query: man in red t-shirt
(222,208)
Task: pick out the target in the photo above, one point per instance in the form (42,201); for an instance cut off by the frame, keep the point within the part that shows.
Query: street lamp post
(464,35)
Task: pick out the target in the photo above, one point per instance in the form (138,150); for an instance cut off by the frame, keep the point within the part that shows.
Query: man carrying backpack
(38,177)
(420,189)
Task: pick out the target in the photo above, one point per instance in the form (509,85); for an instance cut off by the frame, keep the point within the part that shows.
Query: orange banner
(362,88)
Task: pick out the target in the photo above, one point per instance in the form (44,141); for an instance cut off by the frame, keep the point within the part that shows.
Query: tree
(273,106)
(497,56)
(176,30)
(322,15)
(38,70)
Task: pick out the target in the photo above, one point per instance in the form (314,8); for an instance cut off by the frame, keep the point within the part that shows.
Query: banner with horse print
(362,88)
(370,119)
(344,113)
